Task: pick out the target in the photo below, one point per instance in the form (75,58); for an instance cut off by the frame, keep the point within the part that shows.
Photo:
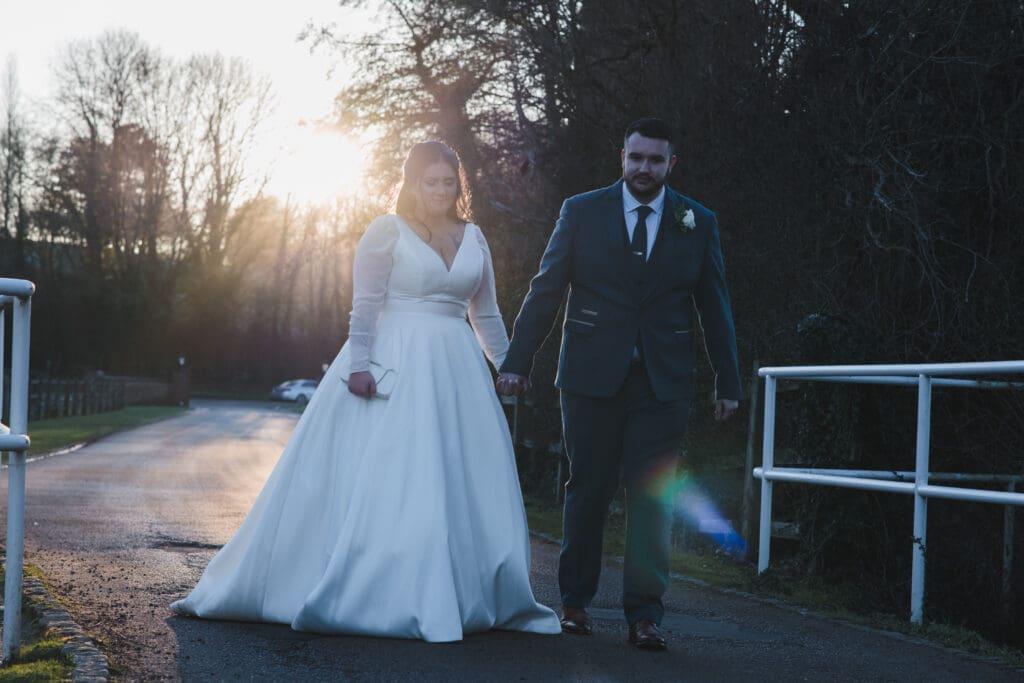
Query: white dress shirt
(629,207)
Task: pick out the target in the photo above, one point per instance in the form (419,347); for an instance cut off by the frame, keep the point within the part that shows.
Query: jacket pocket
(684,335)
(579,326)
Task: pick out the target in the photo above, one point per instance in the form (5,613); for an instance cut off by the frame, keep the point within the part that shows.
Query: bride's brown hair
(422,155)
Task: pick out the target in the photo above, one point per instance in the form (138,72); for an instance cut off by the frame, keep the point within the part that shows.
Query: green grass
(40,657)
(791,587)
(50,435)
(38,661)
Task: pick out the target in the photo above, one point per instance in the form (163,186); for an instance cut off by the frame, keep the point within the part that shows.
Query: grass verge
(717,569)
(40,658)
(53,434)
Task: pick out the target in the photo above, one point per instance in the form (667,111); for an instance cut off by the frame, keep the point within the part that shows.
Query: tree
(228,106)
(427,71)
(13,159)
(100,84)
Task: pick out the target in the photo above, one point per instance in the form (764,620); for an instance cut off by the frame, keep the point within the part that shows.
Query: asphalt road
(125,526)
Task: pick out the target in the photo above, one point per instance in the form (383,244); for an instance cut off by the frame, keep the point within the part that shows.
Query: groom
(644,269)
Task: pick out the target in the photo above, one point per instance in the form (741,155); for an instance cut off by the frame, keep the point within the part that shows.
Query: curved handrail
(894,369)
(15,287)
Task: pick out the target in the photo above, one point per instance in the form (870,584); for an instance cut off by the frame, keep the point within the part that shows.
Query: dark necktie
(638,245)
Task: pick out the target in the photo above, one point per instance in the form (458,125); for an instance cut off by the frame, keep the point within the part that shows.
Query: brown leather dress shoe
(646,635)
(576,620)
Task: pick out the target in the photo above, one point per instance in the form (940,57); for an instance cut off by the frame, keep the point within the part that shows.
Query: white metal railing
(14,442)
(924,376)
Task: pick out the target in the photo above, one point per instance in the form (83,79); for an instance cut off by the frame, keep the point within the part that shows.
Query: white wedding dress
(400,517)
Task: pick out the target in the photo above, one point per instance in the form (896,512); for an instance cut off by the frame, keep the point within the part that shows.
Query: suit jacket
(612,305)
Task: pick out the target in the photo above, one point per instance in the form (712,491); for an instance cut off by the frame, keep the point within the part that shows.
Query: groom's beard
(647,189)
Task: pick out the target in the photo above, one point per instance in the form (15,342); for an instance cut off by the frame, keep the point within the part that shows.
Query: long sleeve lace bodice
(370,274)
(483,308)
(394,265)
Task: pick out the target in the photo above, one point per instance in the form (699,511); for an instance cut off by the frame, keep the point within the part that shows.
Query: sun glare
(316,166)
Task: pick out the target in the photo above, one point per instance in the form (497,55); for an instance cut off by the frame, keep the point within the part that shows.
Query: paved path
(126,525)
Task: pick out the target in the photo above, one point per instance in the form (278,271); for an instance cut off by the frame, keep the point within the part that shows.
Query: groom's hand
(724,408)
(511,384)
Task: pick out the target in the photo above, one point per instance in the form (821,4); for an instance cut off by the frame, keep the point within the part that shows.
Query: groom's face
(645,163)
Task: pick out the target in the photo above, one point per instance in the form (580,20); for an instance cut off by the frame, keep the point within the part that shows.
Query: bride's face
(436,190)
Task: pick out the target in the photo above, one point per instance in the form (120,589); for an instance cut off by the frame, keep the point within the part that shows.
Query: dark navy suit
(625,372)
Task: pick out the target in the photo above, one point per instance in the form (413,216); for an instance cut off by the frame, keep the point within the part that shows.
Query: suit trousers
(633,437)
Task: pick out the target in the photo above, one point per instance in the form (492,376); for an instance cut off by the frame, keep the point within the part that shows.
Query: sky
(262,32)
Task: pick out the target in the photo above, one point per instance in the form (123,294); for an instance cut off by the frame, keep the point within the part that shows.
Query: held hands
(511,384)
(724,408)
(361,384)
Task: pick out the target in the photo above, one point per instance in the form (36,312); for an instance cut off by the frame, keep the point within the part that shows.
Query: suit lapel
(665,226)
(618,235)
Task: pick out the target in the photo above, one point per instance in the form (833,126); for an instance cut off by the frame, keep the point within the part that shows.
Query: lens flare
(692,505)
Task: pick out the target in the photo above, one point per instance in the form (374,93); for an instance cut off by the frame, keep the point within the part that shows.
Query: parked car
(297,390)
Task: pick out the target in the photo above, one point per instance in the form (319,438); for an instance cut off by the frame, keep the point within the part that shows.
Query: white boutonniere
(685,220)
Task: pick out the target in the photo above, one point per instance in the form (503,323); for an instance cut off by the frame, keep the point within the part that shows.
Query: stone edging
(90,665)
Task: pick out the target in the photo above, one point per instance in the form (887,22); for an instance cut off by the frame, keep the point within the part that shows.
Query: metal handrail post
(1009,533)
(747,507)
(3,337)
(920,540)
(16,480)
(767,462)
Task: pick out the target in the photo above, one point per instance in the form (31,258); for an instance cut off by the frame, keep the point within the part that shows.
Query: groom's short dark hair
(651,127)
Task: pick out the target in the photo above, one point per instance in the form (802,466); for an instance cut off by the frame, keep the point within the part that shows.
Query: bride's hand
(361,384)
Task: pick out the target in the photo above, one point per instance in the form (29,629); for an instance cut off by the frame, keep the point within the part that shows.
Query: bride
(395,508)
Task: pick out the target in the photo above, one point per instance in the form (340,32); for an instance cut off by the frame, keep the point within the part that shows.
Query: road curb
(90,665)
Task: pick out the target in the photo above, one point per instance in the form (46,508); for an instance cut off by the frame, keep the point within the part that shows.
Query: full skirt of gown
(400,517)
